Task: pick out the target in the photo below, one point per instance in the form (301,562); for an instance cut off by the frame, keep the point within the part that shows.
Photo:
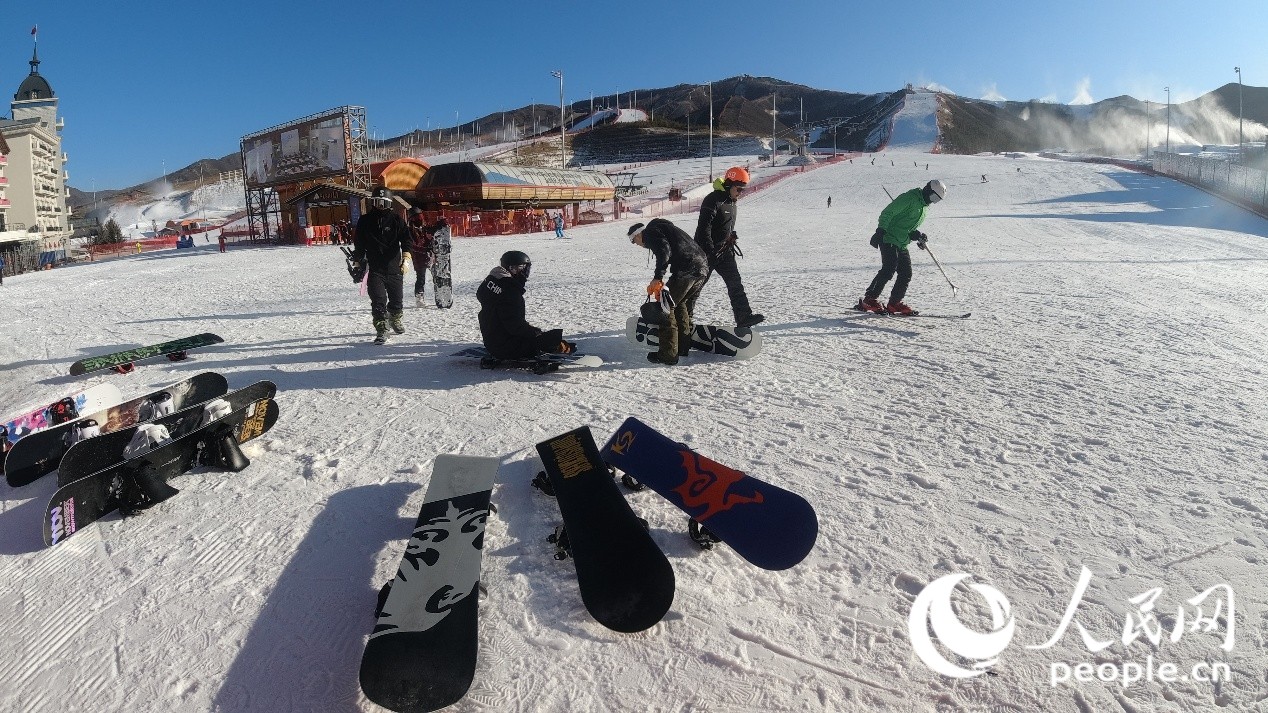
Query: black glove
(876,238)
(920,239)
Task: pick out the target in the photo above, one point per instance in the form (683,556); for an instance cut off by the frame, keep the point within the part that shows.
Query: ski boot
(397,322)
(870,304)
(900,309)
(701,535)
(380,329)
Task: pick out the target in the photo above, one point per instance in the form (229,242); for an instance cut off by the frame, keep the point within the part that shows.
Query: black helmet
(381,197)
(517,262)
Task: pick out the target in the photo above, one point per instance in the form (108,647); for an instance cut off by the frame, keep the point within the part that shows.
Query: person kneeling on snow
(503,324)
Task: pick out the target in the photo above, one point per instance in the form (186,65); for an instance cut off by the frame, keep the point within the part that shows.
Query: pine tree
(109,234)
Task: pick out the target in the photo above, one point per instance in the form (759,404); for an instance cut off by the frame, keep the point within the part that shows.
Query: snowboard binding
(542,483)
(141,489)
(127,368)
(701,535)
(559,538)
(629,482)
(544,366)
(181,355)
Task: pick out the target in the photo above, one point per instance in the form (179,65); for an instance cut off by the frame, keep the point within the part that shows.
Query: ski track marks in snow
(1102,407)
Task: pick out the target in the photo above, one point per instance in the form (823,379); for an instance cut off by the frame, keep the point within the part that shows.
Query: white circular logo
(932,610)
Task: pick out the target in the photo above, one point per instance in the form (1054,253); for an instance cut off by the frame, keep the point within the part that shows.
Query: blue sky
(147,84)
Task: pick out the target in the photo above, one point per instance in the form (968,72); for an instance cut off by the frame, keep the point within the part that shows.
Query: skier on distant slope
(715,234)
(896,229)
(504,326)
(382,241)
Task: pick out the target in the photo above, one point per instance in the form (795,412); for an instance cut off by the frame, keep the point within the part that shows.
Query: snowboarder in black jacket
(382,241)
(675,249)
(715,234)
(504,326)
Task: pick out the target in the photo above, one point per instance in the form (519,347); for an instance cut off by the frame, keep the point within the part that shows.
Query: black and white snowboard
(68,408)
(738,342)
(625,580)
(541,364)
(91,455)
(421,655)
(40,452)
(141,481)
(174,348)
(441,273)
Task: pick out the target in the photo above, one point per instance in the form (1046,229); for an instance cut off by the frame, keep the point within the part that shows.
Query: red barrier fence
(96,252)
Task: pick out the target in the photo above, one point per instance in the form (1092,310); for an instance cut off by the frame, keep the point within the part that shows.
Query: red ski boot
(869,304)
(900,309)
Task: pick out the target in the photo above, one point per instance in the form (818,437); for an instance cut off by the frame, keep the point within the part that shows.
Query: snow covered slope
(1104,407)
(916,124)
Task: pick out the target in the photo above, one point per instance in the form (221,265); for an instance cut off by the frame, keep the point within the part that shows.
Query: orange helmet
(735,176)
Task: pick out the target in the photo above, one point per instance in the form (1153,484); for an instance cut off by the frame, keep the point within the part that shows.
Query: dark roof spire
(35,60)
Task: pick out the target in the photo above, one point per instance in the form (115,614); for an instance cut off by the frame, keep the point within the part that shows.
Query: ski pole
(891,198)
(944,272)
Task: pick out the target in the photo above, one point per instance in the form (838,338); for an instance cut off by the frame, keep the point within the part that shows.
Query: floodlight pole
(1148,122)
(710,132)
(1168,91)
(1239,112)
(560,74)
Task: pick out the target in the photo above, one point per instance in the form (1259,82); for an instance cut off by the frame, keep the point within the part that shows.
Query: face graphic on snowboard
(434,555)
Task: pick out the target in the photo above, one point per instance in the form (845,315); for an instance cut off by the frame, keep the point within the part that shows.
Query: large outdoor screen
(301,150)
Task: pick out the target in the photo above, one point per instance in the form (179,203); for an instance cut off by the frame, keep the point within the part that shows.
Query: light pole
(1148,121)
(1239,112)
(1168,91)
(560,75)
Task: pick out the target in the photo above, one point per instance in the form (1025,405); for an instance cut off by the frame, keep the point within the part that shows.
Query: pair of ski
(128,469)
(920,315)
(421,655)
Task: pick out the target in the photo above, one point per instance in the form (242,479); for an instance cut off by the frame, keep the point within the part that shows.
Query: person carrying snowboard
(674,249)
(896,229)
(382,242)
(423,250)
(504,326)
(715,234)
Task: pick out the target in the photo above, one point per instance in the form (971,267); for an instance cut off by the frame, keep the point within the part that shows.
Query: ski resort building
(34,218)
(496,186)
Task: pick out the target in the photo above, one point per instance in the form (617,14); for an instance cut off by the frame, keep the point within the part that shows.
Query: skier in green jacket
(896,229)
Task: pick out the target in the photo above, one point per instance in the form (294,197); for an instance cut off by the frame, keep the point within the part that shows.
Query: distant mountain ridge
(758,107)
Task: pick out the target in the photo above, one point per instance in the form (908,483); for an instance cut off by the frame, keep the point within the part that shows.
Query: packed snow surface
(1102,408)
(916,123)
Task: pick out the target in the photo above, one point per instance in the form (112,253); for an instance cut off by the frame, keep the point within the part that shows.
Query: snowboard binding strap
(542,483)
(143,488)
(559,538)
(701,535)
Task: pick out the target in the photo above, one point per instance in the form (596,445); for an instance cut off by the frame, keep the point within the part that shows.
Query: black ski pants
(893,259)
(385,293)
(729,270)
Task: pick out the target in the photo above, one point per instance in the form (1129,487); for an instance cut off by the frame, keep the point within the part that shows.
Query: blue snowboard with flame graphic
(765,524)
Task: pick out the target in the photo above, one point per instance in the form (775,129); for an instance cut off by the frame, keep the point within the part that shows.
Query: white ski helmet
(935,191)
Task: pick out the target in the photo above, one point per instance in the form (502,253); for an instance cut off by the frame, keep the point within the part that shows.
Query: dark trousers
(893,259)
(729,271)
(675,333)
(385,293)
(420,278)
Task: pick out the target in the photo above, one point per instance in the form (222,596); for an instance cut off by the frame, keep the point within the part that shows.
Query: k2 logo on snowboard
(622,442)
